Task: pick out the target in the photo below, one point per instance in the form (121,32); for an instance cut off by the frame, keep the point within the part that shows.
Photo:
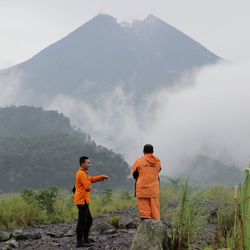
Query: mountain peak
(148,24)
(151,19)
(147,55)
(125,24)
(102,19)
(99,24)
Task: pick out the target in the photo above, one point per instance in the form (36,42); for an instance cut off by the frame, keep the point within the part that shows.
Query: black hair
(83,159)
(148,149)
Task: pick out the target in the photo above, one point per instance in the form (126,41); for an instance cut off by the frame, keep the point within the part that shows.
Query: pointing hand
(105,177)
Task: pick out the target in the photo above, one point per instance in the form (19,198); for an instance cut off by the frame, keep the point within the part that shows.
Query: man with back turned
(146,172)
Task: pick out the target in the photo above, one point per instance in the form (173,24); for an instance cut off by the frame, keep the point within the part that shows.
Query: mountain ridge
(144,57)
(40,148)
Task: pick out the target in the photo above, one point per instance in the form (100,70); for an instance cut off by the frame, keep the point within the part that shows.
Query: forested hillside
(40,148)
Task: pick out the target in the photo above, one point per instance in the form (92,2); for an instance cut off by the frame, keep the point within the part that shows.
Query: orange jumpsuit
(148,186)
(83,186)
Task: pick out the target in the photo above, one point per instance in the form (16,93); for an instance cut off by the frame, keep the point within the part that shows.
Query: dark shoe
(89,240)
(80,243)
(87,244)
(144,219)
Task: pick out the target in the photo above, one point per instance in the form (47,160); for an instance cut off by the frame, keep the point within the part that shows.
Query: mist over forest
(40,149)
(123,85)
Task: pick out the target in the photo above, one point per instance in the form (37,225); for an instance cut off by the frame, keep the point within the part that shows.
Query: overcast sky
(218,127)
(27,26)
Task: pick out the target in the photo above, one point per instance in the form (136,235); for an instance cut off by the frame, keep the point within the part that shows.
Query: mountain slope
(102,53)
(205,170)
(39,149)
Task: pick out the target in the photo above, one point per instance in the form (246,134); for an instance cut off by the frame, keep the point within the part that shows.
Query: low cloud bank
(13,90)
(209,115)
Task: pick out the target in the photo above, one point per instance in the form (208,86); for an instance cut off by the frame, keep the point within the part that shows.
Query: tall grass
(168,195)
(190,218)
(109,201)
(220,193)
(226,233)
(55,206)
(14,212)
(245,209)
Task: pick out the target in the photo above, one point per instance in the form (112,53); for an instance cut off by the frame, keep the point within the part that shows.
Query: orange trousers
(149,208)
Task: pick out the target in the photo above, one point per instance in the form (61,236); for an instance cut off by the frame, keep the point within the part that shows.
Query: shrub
(108,195)
(54,206)
(125,195)
(100,206)
(219,193)
(47,198)
(44,198)
(166,195)
(190,218)
(225,221)
(114,221)
(28,195)
(15,212)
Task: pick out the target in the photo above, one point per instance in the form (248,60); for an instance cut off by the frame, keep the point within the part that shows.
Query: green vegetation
(186,208)
(44,198)
(30,208)
(220,193)
(114,221)
(167,195)
(52,205)
(233,223)
(227,235)
(109,201)
(244,224)
(192,215)
(190,218)
(39,149)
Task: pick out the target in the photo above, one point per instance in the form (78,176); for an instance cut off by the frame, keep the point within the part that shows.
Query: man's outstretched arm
(99,178)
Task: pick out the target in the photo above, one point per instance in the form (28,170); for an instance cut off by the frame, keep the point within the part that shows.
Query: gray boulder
(104,228)
(4,236)
(54,234)
(11,244)
(17,232)
(150,235)
(70,233)
(27,236)
(131,224)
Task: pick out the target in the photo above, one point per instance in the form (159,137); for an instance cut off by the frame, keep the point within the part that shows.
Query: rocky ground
(106,236)
(62,236)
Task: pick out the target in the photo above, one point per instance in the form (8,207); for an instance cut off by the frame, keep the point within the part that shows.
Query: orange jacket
(147,185)
(83,186)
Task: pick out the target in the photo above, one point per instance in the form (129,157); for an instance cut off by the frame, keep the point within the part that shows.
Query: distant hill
(39,149)
(143,56)
(204,170)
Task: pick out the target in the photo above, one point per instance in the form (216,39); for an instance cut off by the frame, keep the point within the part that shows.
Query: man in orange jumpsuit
(146,172)
(82,201)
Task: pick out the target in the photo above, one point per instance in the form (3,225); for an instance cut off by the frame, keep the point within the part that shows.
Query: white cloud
(112,122)
(13,90)
(209,117)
